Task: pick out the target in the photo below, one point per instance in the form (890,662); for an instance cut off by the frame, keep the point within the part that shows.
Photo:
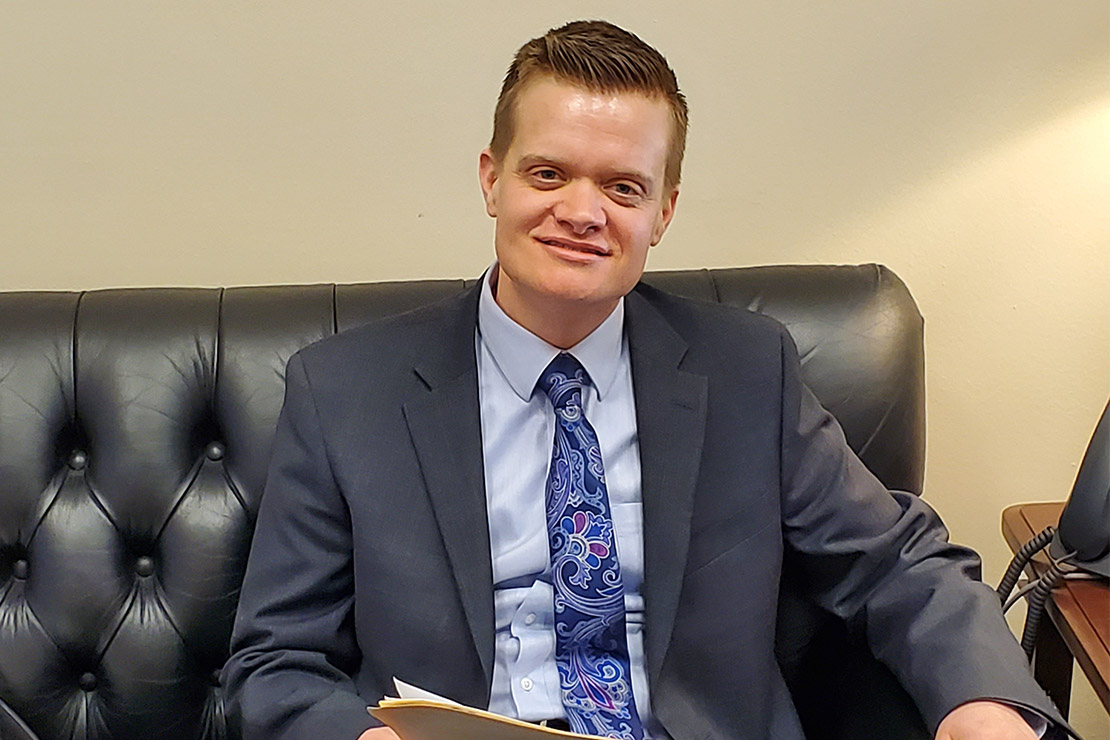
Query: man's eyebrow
(531,159)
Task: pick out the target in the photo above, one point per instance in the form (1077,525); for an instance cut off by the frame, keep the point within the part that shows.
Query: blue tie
(591,648)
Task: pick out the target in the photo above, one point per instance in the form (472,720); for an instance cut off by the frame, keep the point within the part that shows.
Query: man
(420,522)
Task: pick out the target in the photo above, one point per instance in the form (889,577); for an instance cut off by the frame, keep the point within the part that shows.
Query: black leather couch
(135,428)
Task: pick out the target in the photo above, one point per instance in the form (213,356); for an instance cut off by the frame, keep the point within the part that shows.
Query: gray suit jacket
(371,553)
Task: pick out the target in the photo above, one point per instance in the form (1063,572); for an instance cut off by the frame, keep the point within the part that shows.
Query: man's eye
(625,189)
(547,174)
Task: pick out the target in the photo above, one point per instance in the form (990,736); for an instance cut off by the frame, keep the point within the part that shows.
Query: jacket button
(144,566)
(77,460)
(215,451)
(19,569)
(88,681)
(216,677)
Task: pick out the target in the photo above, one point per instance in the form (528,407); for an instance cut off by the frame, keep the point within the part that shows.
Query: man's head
(601,58)
(582,176)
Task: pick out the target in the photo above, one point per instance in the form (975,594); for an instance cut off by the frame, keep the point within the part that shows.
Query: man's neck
(552,320)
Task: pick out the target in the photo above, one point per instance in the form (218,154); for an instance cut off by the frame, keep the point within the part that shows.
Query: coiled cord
(1037,600)
(1021,559)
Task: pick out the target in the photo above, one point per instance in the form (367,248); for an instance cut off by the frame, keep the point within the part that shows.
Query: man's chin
(576,295)
(569,289)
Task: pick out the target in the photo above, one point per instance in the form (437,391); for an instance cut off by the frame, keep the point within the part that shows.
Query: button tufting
(77,460)
(215,451)
(144,566)
(88,681)
(19,569)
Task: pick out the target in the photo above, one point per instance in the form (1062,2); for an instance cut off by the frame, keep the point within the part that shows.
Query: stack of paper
(421,715)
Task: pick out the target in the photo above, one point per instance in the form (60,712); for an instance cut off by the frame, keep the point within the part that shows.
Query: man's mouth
(575,246)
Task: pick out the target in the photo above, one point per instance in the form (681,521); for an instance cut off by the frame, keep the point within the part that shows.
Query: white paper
(408,691)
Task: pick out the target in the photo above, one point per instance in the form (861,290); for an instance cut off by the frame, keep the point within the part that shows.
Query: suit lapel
(443,420)
(670,418)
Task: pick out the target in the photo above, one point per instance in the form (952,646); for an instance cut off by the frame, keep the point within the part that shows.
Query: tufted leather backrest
(135,428)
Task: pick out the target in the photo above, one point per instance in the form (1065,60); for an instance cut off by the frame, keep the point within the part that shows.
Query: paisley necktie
(591,648)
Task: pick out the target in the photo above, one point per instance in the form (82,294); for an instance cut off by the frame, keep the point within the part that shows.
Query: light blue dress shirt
(518,426)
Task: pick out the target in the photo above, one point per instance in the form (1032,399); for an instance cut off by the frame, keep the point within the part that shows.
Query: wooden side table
(1079,615)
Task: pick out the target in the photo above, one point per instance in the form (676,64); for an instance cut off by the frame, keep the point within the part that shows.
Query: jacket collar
(670,418)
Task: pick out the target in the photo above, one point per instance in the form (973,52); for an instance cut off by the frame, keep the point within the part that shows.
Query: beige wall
(966,145)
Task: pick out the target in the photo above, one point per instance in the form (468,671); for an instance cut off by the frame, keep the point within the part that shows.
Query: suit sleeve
(881,560)
(293,642)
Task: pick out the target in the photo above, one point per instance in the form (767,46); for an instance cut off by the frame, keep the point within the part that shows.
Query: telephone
(1085,524)
(1080,542)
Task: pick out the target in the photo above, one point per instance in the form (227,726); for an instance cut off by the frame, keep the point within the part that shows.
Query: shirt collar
(522,356)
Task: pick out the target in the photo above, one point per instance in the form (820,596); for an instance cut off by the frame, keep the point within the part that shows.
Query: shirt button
(530,619)
(526,684)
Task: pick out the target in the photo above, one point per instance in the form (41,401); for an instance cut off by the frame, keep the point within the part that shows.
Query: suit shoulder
(394,342)
(695,318)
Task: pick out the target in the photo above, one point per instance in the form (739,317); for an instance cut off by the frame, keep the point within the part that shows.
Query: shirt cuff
(1036,720)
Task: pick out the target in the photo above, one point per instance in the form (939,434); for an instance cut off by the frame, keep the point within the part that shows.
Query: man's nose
(581,206)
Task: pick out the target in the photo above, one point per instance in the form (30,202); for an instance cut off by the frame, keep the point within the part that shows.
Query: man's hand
(379,733)
(984,720)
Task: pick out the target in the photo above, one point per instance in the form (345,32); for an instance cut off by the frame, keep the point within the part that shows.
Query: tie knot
(563,380)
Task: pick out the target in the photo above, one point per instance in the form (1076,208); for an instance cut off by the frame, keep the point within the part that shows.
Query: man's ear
(489,170)
(666,213)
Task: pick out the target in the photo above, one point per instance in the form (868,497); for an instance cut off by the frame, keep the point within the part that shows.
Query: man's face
(579,198)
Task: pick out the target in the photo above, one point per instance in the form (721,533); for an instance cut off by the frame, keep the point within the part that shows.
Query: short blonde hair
(600,57)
